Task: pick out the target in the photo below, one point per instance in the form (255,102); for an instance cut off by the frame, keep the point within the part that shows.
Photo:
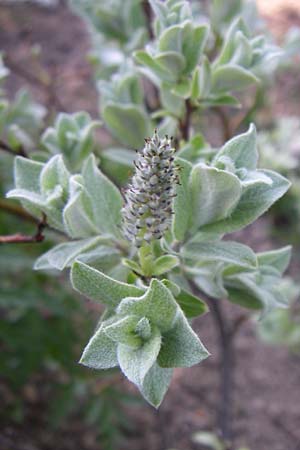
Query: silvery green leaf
(136,362)
(172,287)
(191,306)
(171,39)
(164,264)
(63,255)
(214,194)
(231,77)
(132,265)
(243,54)
(123,331)
(181,346)
(170,101)
(241,149)
(105,197)
(243,297)
(193,42)
(172,62)
(157,304)
(225,251)
(182,89)
(53,174)
(229,42)
(17,137)
(78,215)
(100,352)
(71,136)
(154,66)
(128,123)
(156,384)
(209,278)
(204,79)
(195,84)
(182,201)
(262,286)
(220,100)
(252,177)
(27,178)
(117,163)
(103,257)
(99,287)
(143,328)
(279,258)
(255,200)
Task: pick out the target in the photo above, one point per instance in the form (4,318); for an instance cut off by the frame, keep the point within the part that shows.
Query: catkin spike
(148,209)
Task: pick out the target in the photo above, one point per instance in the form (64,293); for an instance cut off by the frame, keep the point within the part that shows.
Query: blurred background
(47,400)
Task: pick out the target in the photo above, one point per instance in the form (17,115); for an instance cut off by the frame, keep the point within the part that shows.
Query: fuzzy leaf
(232,77)
(99,287)
(78,215)
(101,352)
(136,362)
(117,163)
(262,287)
(64,254)
(241,150)
(156,384)
(170,39)
(214,194)
(27,183)
(123,331)
(191,306)
(128,123)
(54,173)
(172,62)
(157,304)
(181,346)
(193,42)
(145,59)
(27,174)
(279,258)
(106,198)
(164,264)
(255,200)
(226,251)
(182,202)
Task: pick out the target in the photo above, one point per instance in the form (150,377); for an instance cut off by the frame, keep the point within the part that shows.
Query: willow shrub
(145,251)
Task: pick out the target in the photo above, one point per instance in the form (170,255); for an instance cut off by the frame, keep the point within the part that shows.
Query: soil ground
(267,395)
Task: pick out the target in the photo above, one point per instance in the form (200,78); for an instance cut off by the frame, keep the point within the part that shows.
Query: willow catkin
(148,208)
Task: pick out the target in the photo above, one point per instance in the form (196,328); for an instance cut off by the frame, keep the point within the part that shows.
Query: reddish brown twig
(20,238)
(185,123)
(148,16)
(227,132)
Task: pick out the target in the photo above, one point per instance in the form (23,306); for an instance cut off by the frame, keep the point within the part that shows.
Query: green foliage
(150,286)
(282,326)
(71,136)
(133,334)
(279,148)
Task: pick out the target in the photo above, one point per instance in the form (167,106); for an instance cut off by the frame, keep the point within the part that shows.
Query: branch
(226,353)
(20,238)
(227,132)
(6,148)
(185,123)
(148,16)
